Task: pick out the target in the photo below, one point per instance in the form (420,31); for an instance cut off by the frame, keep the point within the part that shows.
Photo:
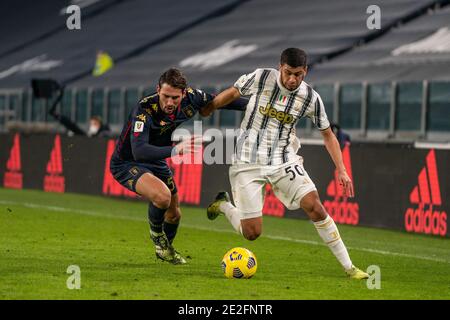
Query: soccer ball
(239,263)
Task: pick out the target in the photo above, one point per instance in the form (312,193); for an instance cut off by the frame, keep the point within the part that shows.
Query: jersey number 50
(297,168)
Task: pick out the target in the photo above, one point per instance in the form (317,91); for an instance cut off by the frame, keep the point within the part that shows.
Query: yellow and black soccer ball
(239,263)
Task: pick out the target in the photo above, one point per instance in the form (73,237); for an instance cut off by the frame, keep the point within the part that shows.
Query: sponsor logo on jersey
(283,117)
(427,217)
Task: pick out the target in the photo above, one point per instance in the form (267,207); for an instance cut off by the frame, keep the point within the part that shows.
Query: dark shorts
(127,173)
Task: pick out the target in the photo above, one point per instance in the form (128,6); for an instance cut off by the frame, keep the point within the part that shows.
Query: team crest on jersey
(283,117)
(188,111)
(139,126)
(141,117)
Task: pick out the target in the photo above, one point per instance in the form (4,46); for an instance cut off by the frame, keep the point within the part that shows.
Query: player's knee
(318,212)
(251,233)
(162,199)
(251,236)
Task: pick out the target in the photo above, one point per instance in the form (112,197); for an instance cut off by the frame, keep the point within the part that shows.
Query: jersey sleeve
(141,147)
(316,112)
(247,84)
(199,98)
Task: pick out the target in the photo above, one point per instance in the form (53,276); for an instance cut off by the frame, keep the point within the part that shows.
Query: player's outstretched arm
(334,150)
(222,99)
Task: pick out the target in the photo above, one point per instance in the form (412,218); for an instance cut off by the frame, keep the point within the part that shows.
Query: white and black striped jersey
(267,134)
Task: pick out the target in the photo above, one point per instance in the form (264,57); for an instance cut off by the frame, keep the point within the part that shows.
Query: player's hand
(191,145)
(207,110)
(346,183)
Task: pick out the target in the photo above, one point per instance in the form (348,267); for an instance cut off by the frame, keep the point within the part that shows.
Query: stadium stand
(122,29)
(398,55)
(320,27)
(19,18)
(358,72)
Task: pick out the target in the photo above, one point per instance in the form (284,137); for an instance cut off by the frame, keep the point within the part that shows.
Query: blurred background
(386,84)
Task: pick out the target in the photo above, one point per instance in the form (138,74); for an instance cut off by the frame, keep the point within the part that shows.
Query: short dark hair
(294,57)
(174,78)
(97,118)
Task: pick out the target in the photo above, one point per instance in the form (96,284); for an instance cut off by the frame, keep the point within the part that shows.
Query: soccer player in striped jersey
(266,152)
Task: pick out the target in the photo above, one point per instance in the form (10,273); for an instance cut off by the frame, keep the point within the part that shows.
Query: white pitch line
(303,241)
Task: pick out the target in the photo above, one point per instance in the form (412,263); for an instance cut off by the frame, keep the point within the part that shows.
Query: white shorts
(290,183)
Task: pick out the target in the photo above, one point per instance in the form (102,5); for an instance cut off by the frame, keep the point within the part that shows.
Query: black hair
(294,57)
(174,78)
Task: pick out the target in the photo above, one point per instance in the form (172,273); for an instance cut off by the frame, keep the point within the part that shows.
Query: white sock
(330,235)
(232,214)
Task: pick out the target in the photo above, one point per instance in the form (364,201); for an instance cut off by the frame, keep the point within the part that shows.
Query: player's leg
(172,218)
(329,232)
(293,186)
(158,195)
(171,222)
(247,185)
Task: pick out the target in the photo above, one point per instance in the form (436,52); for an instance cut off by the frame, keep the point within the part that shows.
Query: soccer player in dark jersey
(138,162)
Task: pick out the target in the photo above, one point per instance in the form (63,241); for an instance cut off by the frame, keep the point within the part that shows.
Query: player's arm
(231,98)
(142,148)
(316,112)
(333,148)
(224,98)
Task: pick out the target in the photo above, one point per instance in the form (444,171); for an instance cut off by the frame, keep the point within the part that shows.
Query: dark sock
(156,218)
(170,229)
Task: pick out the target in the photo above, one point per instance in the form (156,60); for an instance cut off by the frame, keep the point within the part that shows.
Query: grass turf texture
(41,234)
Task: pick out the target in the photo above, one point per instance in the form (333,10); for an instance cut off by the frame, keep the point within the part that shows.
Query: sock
(232,214)
(170,229)
(156,218)
(330,235)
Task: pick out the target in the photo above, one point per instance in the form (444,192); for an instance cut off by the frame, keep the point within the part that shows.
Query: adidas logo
(340,208)
(110,185)
(13,176)
(427,195)
(53,180)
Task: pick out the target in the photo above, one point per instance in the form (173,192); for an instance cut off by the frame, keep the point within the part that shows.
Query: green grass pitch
(42,234)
